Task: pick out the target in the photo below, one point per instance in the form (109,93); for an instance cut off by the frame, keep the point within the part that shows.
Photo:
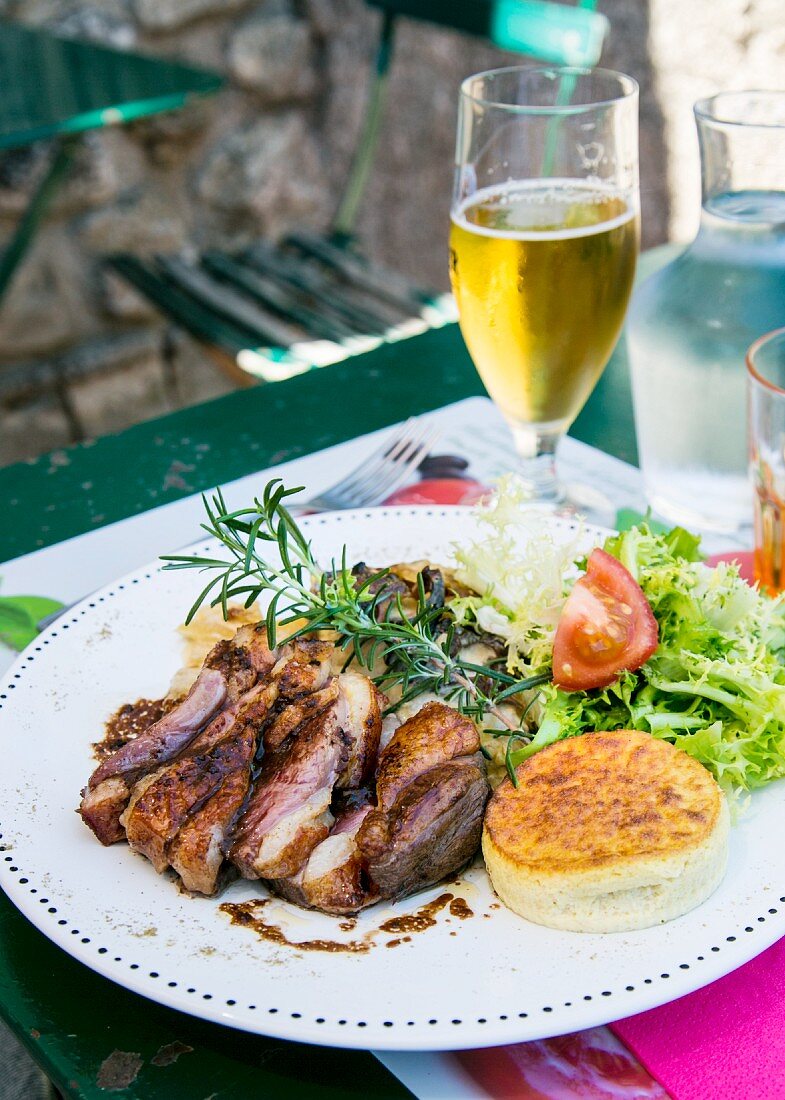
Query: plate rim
(82,949)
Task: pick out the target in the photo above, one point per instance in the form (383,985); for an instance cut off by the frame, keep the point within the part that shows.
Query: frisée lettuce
(715,686)
(519,574)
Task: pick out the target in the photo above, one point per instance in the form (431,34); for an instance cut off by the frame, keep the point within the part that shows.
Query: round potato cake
(606,832)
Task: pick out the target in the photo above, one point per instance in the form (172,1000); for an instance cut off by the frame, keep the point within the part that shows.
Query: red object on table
(589,1065)
(440,490)
(744,558)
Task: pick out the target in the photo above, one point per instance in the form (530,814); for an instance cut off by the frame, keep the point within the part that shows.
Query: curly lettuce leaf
(715,686)
(519,574)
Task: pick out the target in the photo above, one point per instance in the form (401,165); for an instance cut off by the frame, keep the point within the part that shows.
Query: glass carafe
(691,323)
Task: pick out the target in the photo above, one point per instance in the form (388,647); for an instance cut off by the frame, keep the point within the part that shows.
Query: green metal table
(58,88)
(69,1018)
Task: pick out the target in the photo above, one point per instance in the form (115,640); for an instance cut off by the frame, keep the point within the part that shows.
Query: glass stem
(536,447)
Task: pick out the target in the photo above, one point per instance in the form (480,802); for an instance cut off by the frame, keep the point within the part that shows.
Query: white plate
(490,979)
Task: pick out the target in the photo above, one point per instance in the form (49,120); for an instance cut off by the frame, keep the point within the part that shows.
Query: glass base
(536,447)
(697,520)
(588,503)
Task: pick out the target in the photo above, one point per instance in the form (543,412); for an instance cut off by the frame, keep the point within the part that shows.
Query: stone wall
(268,153)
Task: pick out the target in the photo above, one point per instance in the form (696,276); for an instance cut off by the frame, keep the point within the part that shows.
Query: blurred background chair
(270,311)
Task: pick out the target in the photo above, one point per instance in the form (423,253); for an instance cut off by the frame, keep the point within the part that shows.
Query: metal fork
(379,475)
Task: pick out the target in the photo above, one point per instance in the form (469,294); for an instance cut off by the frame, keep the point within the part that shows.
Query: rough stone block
(123,302)
(167,15)
(143,221)
(112,402)
(273,56)
(49,304)
(98,24)
(167,138)
(29,431)
(270,170)
(92,179)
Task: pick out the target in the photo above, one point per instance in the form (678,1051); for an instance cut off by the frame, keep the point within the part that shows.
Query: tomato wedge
(606,627)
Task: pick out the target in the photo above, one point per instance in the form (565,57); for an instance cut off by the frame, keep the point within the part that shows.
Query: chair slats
(181,307)
(330,296)
(227,302)
(390,286)
(313,300)
(280,298)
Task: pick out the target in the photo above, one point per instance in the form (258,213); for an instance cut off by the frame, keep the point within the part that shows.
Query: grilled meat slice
(110,785)
(296,712)
(101,808)
(229,670)
(435,734)
(431,789)
(197,852)
(307,666)
(162,802)
(334,879)
(360,711)
(305,687)
(432,829)
(289,811)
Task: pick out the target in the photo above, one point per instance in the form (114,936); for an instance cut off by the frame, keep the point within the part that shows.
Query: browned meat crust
(289,810)
(307,667)
(360,707)
(334,879)
(110,785)
(296,711)
(162,803)
(197,851)
(169,798)
(433,735)
(431,830)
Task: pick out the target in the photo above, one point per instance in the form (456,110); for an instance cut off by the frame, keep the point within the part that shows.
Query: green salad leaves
(715,687)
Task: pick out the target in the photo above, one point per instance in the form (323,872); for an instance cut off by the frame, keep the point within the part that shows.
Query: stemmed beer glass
(543,246)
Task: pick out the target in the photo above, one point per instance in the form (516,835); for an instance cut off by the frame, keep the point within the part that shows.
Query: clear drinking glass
(766,435)
(543,246)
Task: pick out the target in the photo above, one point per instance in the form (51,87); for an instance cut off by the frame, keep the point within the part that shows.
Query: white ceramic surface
(492,978)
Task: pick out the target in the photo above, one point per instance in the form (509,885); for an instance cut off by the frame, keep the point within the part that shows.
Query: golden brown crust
(601,800)
(435,734)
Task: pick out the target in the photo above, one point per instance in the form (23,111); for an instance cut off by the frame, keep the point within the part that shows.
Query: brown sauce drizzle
(245,913)
(128,722)
(425,917)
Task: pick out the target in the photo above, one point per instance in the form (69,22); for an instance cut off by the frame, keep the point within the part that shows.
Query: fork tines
(386,470)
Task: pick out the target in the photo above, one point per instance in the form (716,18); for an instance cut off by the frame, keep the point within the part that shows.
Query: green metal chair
(271,311)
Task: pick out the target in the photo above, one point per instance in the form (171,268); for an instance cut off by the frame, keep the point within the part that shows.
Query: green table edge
(142,468)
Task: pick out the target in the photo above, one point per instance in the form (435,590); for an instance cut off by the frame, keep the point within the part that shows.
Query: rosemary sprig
(367,615)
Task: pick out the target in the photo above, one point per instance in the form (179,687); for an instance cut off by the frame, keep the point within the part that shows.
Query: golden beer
(542,271)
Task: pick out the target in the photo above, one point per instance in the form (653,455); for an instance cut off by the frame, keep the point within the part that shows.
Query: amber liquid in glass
(542,272)
(769,538)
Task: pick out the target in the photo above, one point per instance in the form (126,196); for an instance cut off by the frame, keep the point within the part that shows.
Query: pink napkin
(723,1042)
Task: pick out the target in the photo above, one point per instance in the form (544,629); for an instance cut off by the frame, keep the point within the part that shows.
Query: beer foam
(559,194)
